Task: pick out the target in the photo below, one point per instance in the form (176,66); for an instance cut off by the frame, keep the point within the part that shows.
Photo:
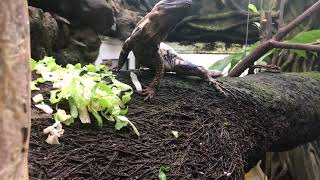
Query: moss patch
(313,75)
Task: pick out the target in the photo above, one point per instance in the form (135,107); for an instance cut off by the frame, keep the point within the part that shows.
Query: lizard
(145,42)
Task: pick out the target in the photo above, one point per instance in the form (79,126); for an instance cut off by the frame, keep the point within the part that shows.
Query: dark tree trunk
(218,136)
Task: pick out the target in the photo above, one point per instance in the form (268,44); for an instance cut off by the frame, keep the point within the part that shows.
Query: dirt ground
(215,135)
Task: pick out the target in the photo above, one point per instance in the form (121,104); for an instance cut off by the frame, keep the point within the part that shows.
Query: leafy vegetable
(175,134)
(44,107)
(37,98)
(89,90)
(63,117)
(164,170)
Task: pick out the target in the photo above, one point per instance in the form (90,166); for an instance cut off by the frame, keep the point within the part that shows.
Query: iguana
(145,41)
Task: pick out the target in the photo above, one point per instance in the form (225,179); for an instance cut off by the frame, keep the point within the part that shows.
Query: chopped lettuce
(89,90)
(37,98)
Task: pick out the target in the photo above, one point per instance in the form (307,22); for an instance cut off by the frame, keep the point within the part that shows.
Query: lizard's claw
(148,92)
(218,86)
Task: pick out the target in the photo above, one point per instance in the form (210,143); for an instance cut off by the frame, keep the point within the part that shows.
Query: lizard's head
(175,6)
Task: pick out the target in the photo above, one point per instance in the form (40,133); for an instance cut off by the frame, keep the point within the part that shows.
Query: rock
(52,36)
(97,14)
(83,48)
(44,33)
(69,55)
(127,16)
(126,22)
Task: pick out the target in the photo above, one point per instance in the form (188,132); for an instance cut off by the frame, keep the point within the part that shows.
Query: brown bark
(268,45)
(15,91)
(284,45)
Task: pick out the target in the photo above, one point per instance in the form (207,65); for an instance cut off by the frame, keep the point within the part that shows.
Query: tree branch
(285,45)
(266,46)
(286,29)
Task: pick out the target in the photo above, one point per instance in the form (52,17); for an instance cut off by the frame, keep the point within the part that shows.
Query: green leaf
(53,97)
(121,86)
(253,8)
(33,86)
(121,122)
(300,53)
(306,37)
(236,59)
(40,80)
(91,68)
(33,64)
(124,111)
(98,118)
(126,97)
(164,170)
(87,92)
(221,64)
(77,66)
(63,117)
(116,111)
(73,108)
(37,98)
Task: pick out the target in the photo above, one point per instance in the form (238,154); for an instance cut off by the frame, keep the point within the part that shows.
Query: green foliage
(232,60)
(89,90)
(306,37)
(253,8)
(164,170)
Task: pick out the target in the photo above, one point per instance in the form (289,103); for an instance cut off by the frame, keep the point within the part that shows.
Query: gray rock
(83,47)
(44,33)
(97,14)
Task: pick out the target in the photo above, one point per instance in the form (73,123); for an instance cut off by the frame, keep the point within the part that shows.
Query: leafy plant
(87,92)
(253,8)
(164,170)
(232,60)
(307,37)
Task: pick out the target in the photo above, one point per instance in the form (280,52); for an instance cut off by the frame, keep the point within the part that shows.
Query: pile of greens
(89,89)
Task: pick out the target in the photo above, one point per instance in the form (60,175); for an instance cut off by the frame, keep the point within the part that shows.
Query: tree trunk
(219,136)
(14,89)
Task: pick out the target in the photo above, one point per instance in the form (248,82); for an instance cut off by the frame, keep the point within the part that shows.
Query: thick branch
(269,112)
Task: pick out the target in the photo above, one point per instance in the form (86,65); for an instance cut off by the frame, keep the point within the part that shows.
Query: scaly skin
(145,39)
(145,43)
(174,63)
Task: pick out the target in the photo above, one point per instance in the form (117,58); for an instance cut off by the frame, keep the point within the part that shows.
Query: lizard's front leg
(123,57)
(150,90)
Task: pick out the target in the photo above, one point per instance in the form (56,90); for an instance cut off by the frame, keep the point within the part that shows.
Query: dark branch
(285,45)
(266,46)
(286,29)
